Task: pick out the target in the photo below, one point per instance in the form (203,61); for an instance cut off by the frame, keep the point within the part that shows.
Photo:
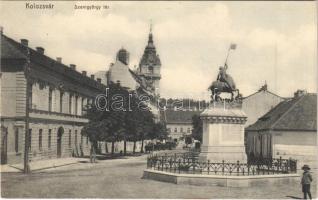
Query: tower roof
(123,56)
(150,56)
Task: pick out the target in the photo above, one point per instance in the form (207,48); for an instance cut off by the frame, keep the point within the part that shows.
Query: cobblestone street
(121,178)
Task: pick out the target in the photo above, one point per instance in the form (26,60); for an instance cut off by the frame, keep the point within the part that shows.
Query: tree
(127,122)
(107,125)
(159,131)
(197,128)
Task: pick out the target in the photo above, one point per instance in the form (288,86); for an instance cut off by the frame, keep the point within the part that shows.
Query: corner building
(58,97)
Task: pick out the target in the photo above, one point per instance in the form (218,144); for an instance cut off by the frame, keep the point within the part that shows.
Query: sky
(276,41)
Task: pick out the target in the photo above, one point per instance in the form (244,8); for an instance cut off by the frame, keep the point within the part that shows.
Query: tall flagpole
(228,53)
(232,46)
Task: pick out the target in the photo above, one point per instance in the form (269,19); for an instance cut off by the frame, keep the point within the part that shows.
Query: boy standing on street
(306,181)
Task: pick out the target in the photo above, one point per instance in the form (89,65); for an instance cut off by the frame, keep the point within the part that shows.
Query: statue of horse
(228,86)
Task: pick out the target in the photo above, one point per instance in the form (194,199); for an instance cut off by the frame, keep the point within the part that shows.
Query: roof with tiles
(296,114)
(11,50)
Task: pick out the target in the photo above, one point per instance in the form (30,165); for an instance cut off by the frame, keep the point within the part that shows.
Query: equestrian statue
(224,83)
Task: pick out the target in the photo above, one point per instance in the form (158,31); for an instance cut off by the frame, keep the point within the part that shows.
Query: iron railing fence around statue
(189,164)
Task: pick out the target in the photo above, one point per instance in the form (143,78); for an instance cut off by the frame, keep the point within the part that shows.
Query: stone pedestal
(223,134)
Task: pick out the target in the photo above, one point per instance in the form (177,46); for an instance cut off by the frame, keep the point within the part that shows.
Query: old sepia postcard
(158,99)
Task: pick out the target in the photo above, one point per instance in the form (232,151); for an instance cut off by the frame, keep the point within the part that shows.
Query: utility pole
(27,111)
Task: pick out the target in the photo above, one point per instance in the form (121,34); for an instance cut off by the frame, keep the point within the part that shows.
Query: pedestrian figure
(306,181)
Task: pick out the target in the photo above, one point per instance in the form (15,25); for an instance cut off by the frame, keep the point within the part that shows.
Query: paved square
(121,178)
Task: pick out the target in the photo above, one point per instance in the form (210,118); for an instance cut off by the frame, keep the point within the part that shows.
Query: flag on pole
(233,46)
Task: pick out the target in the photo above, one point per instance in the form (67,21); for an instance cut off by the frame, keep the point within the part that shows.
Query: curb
(41,168)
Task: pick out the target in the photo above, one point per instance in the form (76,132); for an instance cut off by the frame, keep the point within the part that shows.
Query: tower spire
(150,40)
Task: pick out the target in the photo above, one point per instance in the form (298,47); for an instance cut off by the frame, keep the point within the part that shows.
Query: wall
(259,143)
(300,145)
(13,90)
(40,100)
(258,104)
(120,72)
(45,152)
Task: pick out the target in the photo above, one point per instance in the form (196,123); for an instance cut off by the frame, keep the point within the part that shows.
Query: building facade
(259,103)
(58,96)
(179,123)
(289,130)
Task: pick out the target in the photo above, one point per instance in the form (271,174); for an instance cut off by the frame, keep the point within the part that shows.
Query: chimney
(73,67)
(40,50)
(59,59)
(84,73)
(99,80)
(24,42)
(93,76)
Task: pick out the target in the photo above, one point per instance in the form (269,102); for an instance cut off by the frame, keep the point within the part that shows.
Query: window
(76,99)
(16,136)
(40,139)
(70,138)
(61,101)
(30,96)
(82,106)
(49,139)
(169,130)
(50,99)
(181,129)
(30,139)
(70,104)
(82,138)
(175,130)
(189,130)
(87,140)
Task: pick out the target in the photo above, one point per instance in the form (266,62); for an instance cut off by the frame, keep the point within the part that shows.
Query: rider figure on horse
(222,76)
(223,83)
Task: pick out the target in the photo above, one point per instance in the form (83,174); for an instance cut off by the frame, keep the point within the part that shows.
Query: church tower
(149,66)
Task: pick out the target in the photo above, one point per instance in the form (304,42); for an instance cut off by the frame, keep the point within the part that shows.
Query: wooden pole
(27,110)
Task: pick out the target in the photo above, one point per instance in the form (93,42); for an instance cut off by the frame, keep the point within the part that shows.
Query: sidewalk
(42,164)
